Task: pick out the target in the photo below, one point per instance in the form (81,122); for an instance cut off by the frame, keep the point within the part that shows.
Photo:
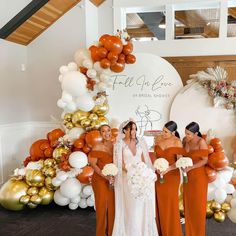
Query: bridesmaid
(195,191)
(102,154)
(168,146)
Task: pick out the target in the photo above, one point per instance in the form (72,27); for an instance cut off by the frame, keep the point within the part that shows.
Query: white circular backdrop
(193,103)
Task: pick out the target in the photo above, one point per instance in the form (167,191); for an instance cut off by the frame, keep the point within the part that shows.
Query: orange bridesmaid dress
(195,196)
(167,195)
(104,197)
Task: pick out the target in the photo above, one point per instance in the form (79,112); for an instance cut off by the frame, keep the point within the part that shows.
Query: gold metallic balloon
(219,216)
(68,116)
(95,124)
(35,178)
(85,123)
(101,110)
(49,162)
(215,206)
(36,199)
(32,205)
(79,116)
(57,153)
(46,195)
(25,199)
(69,125)
(225,207)
(32,191)
(209,211)
(50,172)
(93,117)
(181,207)
(49,185)
(103,120)
(11,192)
(44,169)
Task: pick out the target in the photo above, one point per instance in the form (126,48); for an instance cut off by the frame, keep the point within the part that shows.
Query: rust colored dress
(167,195)
(104,197)
(195,196)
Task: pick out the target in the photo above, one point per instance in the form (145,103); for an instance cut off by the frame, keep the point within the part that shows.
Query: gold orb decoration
(79,116)
(32,191)
(219,216)
(95,124)
(36,199)
(68,117)
(25,199)
(46,195)
(103,120)
(49,162)
(101,110)
(50,172)
(69,125)
(209,211)
(58,152)
(225,207)
(215,206)
(49,185)
(85,123)
(32,205)
(93,117)
(11,192)
(34,178)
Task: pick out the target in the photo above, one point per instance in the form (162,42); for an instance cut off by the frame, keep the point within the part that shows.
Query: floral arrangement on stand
(57,166)
(215,81)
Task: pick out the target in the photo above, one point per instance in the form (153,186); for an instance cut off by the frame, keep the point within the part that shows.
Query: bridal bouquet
(141,180)
(183,163)
(110,170)
(162,165)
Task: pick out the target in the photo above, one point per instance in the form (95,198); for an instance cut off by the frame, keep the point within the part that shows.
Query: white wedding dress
(134,217)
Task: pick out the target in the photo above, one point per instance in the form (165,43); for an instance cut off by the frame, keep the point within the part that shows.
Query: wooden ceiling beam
(232,12)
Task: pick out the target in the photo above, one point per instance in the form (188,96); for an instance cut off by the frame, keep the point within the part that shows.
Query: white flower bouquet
(161,164)
(110,170)
(183,163)
(141,180)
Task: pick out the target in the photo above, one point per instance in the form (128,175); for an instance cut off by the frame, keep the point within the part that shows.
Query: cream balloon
(87,190)
(76,200)
(60,200)
(88,63)
(63,70)
(75,133)
(232,214)
(90,202)
(85,103)
(73,206)
(71,106)
(56,182)
(60,103)
(72,66)
(61,175)
(81,55)
(66,97)
(83,203)
(91,73)
(78,159)
(70,188)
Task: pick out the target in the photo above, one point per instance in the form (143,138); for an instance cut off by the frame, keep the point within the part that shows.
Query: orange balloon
(79,143)
(218,160)
(102,52)
(211,174)
(48,152)
(27,160)
(36,152)
(86,149)
(83,135)
(94,53)
(117,67)
(105,63)
(93,137)
(114,44)
(128,48)
(215,143)
(130,59)
(122,57)
(44,145)
(114,132)
(103,39)
(54,135)
(112,57)
(86,176)
(210,149)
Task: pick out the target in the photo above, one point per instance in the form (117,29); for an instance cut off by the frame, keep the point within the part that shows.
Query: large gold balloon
(95,124)
(50,172)
(25,199)
(101,110)
(11,192)
(225,207)
(215,206)
(49,162)
(68,116)
(46,195)
(209,211)
(57,153)
(34,178)
(32,191)
(49,185)
(93,117)
(79,116)
(103,120)
(219,216)
(85,123)
(36,199)
(69,125)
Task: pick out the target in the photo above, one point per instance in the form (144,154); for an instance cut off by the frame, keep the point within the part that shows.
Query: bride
(133,217)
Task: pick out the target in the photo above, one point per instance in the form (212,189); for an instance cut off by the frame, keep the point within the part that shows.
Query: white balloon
(63,70)
(233,202)
(61,175)
(104,78)
(66,97)
(219,182)
(82,195)
(74,83)
(73,206)
(102,86)
(60,200)
(88,63)
(220,195)
(75,133)
(85,103)
(56,182)
(78,159)
(228,198)
(210,195)
(76,199)
(234,194)
(91,73)
(229,188)
(60,78)
(81,55)
(89,202)
(87,190)
(226,174)
(60,103)
(72,66)
(83,203)
(70,188)
(232,214)
(92,197)
(98,67)
(71,106)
